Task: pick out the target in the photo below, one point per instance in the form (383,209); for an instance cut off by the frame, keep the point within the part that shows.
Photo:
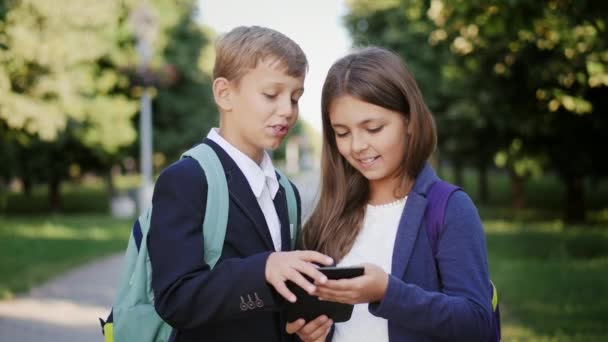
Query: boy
(258,80)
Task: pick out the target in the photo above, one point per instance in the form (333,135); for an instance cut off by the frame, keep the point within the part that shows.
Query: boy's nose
(287,108)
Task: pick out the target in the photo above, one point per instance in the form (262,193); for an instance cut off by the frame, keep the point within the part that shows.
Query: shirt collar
(257,175)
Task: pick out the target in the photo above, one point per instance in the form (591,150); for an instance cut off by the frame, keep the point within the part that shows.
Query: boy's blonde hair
(243,47)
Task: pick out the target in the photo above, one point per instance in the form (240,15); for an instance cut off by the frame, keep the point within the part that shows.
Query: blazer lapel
(280,204)
(242,195)
(407,232)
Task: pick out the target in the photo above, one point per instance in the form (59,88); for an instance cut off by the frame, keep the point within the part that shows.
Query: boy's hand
(316,330)
(283,266)
(368,288)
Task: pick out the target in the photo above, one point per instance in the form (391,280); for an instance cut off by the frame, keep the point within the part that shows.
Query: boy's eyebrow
(282,84)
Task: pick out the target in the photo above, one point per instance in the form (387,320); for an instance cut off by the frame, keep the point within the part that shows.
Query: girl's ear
(408,126)
(221,94)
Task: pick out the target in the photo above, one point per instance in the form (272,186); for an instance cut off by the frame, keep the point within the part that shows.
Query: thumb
(295,326)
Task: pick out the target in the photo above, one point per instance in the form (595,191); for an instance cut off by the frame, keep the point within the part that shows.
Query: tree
(405,28)
(525,80)
(58,83)
(547,66)
(185,111)
(66,97)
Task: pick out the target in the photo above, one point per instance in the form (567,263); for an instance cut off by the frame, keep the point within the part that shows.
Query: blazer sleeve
(187,292)
(462,311)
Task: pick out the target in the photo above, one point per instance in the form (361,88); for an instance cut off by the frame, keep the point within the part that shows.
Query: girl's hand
(315,330)
(368,288)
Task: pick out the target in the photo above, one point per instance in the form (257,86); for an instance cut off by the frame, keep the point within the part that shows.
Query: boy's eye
(270,96)
(375,130)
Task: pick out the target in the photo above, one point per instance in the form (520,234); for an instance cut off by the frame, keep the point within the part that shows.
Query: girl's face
(372,139)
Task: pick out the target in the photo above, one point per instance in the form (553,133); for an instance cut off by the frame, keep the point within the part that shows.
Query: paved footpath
(66,308)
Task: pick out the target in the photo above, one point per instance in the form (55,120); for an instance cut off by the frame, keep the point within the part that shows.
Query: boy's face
(263,107)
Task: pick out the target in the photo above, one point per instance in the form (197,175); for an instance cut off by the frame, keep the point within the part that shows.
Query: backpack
(133,317)
(437,197)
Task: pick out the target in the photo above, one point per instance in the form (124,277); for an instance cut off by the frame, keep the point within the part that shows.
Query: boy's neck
(235,140)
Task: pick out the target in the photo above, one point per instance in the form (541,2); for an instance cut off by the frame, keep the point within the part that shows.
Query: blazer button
(258,302)
(250,303)
(243,305)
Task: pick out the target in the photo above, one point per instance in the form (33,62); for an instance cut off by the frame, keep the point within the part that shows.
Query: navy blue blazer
(444,301)
(232,302)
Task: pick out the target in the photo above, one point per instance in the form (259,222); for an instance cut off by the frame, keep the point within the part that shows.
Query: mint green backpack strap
(292,207)
(134,316)
(216,212)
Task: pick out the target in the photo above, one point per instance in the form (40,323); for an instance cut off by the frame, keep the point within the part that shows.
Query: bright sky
(316,25)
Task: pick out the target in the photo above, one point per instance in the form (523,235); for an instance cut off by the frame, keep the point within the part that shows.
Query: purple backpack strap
(437,202)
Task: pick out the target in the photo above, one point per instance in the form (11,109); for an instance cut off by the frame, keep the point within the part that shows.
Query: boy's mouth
(279,130)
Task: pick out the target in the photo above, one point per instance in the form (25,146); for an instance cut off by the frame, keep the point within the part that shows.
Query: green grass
(551,280)
(33,250)
(76,199)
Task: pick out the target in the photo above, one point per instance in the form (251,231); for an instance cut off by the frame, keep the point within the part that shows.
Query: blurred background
(97,97)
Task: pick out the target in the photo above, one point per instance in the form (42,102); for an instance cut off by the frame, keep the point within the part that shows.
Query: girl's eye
(341,134)
(375,130)
(270,96)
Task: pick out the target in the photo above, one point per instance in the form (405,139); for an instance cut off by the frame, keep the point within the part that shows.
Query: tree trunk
(458,174)
(110,183)
(27,186)
(483,183)
(518,200)
(575,200)
(55,193)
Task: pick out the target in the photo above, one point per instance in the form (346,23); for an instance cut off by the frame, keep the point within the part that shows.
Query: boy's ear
(221,93)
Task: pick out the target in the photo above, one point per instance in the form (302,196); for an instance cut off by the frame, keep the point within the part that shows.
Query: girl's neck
(389,190)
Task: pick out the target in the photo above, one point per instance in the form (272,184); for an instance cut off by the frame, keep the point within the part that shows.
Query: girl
(377,136)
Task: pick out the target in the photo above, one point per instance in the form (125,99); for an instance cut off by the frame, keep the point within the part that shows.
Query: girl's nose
(358,143)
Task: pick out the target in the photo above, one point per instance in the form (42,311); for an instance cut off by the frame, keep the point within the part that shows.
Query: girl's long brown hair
(379,77)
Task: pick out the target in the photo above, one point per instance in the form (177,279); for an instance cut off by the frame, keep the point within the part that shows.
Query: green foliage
(51,77)
(184,111)
(520,84)
(67,100)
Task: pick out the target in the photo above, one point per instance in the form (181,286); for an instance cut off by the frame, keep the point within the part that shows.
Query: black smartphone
(310,307)
(336,272)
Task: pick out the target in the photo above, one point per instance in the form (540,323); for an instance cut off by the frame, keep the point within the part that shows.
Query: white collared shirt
(261,178)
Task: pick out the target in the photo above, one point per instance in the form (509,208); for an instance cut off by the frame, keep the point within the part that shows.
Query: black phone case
(310,307)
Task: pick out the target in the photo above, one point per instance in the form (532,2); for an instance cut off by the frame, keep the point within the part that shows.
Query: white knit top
(374,244)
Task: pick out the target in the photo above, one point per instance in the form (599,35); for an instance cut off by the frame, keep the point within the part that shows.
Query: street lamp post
(144,23)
